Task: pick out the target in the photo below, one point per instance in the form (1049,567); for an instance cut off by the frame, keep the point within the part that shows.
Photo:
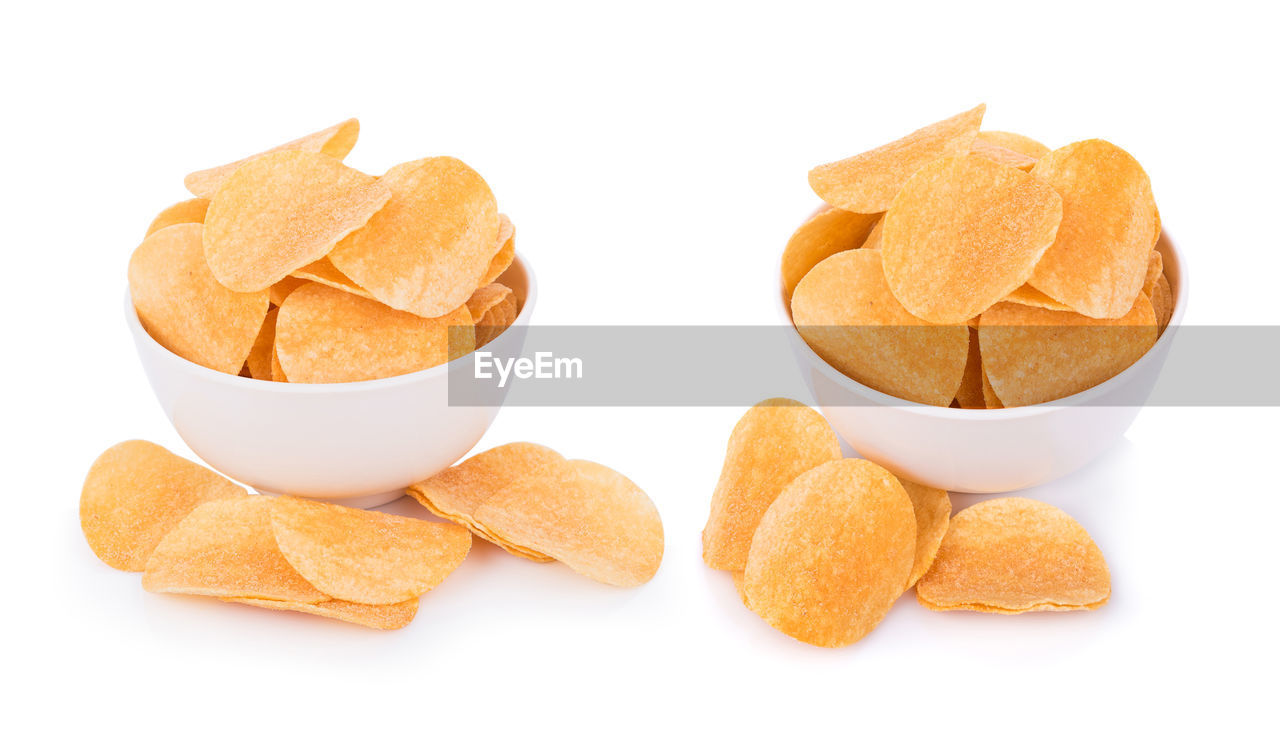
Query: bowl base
(360,501)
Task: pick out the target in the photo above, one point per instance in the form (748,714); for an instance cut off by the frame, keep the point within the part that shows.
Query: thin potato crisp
(375,616)
(933,514)
(188,211)
(335,142)
(825,233)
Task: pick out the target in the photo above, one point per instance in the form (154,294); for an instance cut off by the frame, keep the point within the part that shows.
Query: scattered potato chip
(429,248)
(989,396)
(493,309)
(1002,155)
(1099,258)
(507,254)
(963,233)
(282,211)
(324,272)
(773,443)
(933,513)
(186,309)
(875,239)
(135,493)
(1155,268)
(1032,297)
(188,211)
(375,616)
(867,183)
(324,335)
(832,553)
(844,310)
(1014,555)
(969,395)
(1013,141)
(259,360)
(1032,355)
(227,548)
(284,288)
(335,142)
(825,233)
(365,556)
(591,518)
(1162,302)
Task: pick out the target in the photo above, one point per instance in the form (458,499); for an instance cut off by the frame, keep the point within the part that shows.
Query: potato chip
(185,308)
(875,239)
(227,548)
(429,248)
(324,335)
(259,360)
(989,396)
(963,233)
(365,556)
(933,513)
(277,370)
(773,443)
(1001,154)
(324,272)
(832,553)
(585,515)
(826,233)
(493,309)
(1014,555)
(1032,297)
(1099,259)
(969,395)
(1013,141)
(867,183)
(844,310)
(283,288)
(1162,302)
(1032,355)
(375,616)
(135,493)
(188,211)
(1155,268)
(282,211)
(335,142)
(507,254)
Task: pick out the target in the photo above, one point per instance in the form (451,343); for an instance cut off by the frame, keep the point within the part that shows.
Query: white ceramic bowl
(359,444)
(972,450)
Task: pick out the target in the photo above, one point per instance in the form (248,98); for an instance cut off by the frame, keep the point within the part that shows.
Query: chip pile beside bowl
(291,266)
(979,269)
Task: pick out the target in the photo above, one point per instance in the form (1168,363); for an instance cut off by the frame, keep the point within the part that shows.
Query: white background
(653,158)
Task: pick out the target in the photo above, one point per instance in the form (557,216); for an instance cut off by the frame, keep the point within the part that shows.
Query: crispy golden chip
(1014,555)
(867,183)
(1155,269)
(507,254)
(493,309)
(188,211)
(1032,297)
(1162,302)
(324,272)
(375,616)
(282,211)
(259,360)
(335,142)
(429,248)
(875,239)
(832,553)
(324,335)
(1099,259)
(227,548)
(591,518)
(844,310)
(989,396)
(1032,355)
(826,233)
(1002,154)
(773,443)
(485,298)
(1014,141)
(365,556)
(933,512)
(963,233)
(969,395)
(277,370)
(185,309)
(135,493)
(284,288)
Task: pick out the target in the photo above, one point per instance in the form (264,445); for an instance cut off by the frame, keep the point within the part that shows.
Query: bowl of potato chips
(978,312)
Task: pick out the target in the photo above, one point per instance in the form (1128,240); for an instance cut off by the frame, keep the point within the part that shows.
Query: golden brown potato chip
(1014,555)
(282,211)
(963,233)
(875,239)
(227,548)
(507,254)
(844,310)
(277,370)
(284,288)
(135,493)
(1032,355)
(324,272)
(259,360)
(428,249)
(826,233)
(1032,297)
(335,142)
(324,335)
(773,443)
(188,211)
(1099,259)
(1162,302)
(933,512)
(989,396)
(1002,155)
(1155,268)
(493,309)
(376,616)
(589,517)
(1014,141)
(832,553)
(185,309)
(969,394)
(867,183)
(365,556)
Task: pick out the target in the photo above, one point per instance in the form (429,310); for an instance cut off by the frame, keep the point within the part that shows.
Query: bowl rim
(144,340)
(1170,251)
